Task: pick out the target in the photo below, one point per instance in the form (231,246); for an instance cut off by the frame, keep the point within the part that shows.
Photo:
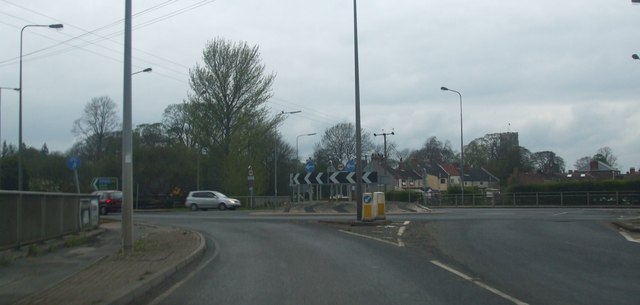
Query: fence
(568,199)
(29,217)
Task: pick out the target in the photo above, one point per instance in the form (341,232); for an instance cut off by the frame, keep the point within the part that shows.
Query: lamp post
(1,88)
(275,158)
(52,26)
(145,70)
(358,126)
(461,143)
(127,135)
(298,137)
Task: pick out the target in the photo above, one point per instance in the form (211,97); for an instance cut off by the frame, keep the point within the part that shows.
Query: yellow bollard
(379,202)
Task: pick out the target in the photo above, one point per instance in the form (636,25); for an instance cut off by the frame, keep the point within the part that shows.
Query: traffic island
(631,225)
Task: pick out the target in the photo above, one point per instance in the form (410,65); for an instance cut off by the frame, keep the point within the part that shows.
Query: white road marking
(628,237)
(401,231)
(561,213)
(406,223)
(479,283)
(398,244)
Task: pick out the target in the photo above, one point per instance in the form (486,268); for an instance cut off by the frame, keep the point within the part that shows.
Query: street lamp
(145,70)
(52,26)
(298,137)
(461,143)
(275,158)
(1,88)
(358,125)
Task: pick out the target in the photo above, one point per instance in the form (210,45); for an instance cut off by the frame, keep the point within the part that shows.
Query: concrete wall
(29,217)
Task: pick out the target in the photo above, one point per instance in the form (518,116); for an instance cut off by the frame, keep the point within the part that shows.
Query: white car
(203,200)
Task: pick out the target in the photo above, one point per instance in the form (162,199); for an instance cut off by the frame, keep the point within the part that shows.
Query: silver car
(203,200)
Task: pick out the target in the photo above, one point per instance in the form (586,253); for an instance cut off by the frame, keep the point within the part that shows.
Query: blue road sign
(351,166)
(310,166)
(73,163)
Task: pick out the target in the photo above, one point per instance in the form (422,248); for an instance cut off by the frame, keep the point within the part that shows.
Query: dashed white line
(561,213)
(479,283)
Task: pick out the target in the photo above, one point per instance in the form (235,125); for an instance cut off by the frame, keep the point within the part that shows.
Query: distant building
(596,170)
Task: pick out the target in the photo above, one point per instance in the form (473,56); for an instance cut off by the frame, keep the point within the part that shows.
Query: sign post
(250,179)
(73,163)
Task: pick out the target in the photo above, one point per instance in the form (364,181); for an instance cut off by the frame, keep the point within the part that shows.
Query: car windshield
(220,195)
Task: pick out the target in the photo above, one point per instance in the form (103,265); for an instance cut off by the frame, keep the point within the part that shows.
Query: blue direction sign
(105,183)
(310,166)
(351,166)
(73,163)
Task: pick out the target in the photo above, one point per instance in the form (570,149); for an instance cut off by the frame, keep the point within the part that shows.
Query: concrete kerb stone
(157,280)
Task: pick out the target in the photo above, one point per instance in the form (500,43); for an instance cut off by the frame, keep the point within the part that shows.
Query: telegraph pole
(384,135)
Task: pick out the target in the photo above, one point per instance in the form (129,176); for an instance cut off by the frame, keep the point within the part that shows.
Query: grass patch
(33,250)
(5,261)
(75,241)
(144,244)
(107,220)
(144,276)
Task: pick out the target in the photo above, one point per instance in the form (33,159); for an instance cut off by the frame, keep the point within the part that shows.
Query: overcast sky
(559,73)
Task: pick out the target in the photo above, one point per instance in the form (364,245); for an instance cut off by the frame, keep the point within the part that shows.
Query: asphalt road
(458,256)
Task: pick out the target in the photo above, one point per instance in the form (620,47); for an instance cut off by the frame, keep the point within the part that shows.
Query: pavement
(89,268)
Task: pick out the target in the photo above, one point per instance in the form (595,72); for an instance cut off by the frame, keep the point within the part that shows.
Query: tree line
(222,127)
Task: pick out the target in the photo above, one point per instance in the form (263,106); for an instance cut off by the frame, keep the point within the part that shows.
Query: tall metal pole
(127,150)
(53,26)
(275,157)
(461,143)
(358,128)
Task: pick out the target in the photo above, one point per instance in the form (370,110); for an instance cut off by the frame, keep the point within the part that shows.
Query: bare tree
(339,145)
(98,120)
(605,154)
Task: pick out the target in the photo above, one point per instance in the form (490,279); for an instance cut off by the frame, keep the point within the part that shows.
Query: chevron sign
(333,178)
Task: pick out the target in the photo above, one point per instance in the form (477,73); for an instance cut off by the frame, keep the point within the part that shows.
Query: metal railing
(30,217)
(564,199)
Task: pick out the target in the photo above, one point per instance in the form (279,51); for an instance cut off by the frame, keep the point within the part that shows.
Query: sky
(560,73)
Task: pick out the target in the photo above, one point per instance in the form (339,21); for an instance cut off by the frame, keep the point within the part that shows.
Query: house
(481,178)
(438,177)
(596,170)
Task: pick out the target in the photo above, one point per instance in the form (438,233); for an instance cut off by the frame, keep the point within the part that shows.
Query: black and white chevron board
(331,178)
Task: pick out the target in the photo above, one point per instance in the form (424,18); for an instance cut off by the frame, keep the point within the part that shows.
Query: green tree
(547,162)
(227,112)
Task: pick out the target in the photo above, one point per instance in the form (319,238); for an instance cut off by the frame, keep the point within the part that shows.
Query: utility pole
(384,135)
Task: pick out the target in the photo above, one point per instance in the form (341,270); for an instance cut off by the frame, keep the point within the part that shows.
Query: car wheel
(194,207)
(222,207)
(103,210)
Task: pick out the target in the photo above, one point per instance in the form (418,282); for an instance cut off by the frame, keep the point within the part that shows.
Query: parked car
(203,200)
(110,201)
